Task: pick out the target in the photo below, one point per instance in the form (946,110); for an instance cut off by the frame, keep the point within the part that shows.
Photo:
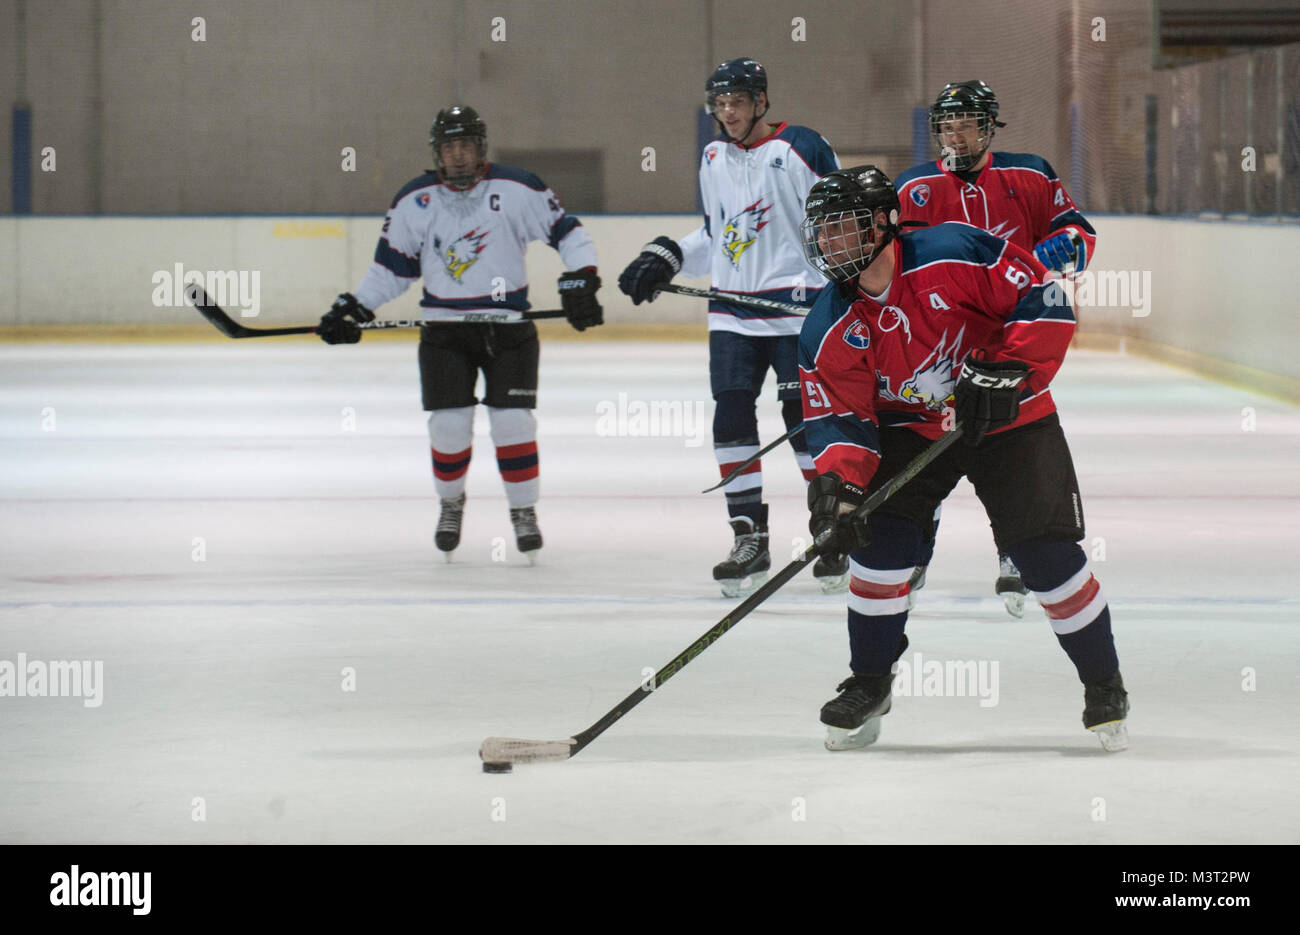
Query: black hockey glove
(339,324)
(578,298)
(834,527)
(987,395)
(658,263)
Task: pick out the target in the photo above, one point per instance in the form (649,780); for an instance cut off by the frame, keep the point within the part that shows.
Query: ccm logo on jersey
(988,381)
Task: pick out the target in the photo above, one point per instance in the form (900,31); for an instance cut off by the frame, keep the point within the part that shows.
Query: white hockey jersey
(750,242)
(469,245)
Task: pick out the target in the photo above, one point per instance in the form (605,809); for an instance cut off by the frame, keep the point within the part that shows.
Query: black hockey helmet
(975,100)
(732,76)
(458,123)
(737,74)
(840,238)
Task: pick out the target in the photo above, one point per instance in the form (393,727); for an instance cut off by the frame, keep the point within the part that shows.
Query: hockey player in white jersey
(754,178)
(463,229)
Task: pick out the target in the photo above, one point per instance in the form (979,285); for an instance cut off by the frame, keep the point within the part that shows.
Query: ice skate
(447,535)
(1009,587)
(746,568)
(832,573)
(1105,706)
(914,584)
(852,718)
(528,537)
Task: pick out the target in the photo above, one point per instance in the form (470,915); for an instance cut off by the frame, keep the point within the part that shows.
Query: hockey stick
(752,458)
(500,751)
(233,329)
(735,298)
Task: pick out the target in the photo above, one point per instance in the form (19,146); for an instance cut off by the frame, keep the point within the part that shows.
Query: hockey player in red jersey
(942,321)
(1014,195)
(463,230)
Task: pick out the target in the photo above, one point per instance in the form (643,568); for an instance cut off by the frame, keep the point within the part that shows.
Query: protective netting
(1077,84)
(1228,137)
(1072,81)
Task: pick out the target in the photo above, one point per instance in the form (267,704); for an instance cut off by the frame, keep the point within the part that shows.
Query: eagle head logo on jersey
(921,194)
(742,230)
(932,384)
(462,253)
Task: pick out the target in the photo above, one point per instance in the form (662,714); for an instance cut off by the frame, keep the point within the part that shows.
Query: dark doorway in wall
(577,176)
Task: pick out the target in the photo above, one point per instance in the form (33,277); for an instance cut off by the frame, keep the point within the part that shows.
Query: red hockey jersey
(865,364)
(1016,196)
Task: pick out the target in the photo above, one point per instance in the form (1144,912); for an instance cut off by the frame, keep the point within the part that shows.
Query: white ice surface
(223,678)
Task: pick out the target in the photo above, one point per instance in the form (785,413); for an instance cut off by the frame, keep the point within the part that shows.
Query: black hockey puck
(497,767)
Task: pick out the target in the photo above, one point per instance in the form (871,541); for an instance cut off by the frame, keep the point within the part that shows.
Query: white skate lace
(524,520)
(745,549)
(452,513)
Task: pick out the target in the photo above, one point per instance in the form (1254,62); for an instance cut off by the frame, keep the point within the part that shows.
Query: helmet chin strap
(988,141)
(886,238)
(974,161)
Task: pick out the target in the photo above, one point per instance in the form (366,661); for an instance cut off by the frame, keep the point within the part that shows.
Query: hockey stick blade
(735,298)
(514,750)
(233,329)
(227,325)
(752,458)
(209,310)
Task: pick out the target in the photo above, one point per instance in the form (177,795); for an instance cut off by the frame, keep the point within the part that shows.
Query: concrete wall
(1214,289)
(143,119)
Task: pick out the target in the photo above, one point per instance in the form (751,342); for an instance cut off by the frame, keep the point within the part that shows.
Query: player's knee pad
(1047,564)
(895,543)
(451,430)
(735,416)
(512,426)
